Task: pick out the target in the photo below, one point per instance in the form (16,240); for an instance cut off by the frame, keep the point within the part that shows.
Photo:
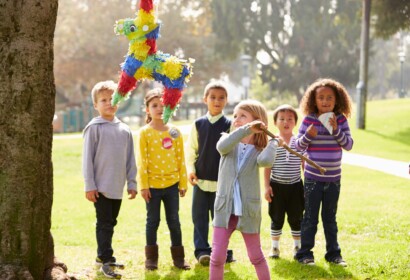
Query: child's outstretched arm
(267,157)
(228,141)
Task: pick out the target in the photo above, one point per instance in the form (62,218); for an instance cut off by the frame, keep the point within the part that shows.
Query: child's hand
(268,194)
(132,194)
(92,195)
(146,195)
(311,131)
(193,179)
(257,126)
(333,122)
(280,141)
(182,192)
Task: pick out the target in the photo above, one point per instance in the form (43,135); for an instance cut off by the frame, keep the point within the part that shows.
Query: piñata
(143,61)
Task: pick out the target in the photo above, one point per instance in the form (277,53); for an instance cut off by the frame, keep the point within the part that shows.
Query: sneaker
(204,260)
(339,261)
(295,250)
(307,261)
(107,270)
(274,253)
(113,264)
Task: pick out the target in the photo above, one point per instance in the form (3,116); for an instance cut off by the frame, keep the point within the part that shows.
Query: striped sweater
(324,149)
(286,168)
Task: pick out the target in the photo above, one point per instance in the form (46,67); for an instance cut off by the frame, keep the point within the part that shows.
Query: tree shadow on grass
(294,270)
(401,136)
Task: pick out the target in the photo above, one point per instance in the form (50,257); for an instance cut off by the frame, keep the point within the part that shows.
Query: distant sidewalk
(393,167)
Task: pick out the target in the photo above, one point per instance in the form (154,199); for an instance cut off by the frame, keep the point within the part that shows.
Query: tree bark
(27,94)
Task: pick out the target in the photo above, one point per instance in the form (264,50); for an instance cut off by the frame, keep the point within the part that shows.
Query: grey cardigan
(248,177)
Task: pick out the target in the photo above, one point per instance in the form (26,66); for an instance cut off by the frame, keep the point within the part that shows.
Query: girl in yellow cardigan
(161,177)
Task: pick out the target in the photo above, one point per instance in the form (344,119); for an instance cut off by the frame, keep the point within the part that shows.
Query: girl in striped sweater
(323,143)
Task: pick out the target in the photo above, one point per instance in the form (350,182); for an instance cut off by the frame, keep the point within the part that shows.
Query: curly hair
(343,103)
(258,112)
(151,94)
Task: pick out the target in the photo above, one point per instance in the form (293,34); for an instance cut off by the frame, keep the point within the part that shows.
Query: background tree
(294,42)
(391,16)
(26,111)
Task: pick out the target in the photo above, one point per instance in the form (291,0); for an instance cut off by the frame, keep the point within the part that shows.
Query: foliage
(87,50)
(294,42)
(391,16)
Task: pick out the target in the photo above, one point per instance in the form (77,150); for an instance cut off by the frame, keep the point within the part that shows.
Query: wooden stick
(311,162)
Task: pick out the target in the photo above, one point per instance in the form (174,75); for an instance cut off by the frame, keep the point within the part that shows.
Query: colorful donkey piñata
(144,62)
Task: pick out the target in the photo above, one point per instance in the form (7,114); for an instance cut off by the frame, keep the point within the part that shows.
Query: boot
(151,257)
(178,256)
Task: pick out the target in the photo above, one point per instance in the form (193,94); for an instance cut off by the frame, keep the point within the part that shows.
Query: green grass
(373,217)
(387,132)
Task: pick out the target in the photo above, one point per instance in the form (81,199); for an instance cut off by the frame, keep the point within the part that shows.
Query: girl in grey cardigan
(238,196)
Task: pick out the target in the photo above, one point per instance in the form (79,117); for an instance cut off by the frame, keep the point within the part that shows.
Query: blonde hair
(101,86)
(258,112)
(151,94)
(343,103)
(284,108)
(215,85)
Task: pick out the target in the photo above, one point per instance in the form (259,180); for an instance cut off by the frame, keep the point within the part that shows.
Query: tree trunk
(27,93)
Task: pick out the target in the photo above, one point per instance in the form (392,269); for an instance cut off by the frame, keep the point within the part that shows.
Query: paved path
(393,167)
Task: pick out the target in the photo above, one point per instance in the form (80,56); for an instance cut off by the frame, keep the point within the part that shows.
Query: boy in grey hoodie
(108,162)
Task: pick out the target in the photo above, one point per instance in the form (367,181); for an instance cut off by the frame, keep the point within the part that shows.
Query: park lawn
(373,217)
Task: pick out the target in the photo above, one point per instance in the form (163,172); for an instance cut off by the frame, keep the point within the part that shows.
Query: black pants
(287,199)
(107,212)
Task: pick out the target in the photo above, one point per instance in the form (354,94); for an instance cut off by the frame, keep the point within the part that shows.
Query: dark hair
(284,108)
(151,94)
(215,85)
(343,103)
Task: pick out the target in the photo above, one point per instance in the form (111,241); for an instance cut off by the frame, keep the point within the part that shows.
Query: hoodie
(108,157)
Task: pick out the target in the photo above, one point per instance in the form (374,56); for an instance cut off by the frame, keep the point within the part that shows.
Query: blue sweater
(207,163)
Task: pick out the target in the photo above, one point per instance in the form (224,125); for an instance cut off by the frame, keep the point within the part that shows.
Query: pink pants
(220,245)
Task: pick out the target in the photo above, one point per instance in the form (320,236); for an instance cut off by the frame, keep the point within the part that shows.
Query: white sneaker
(274,253)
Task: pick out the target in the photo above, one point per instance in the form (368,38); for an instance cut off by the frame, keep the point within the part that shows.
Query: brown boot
(178,256)
(151,257)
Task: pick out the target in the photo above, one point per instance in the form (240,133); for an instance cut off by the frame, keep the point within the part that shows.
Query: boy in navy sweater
(203,164)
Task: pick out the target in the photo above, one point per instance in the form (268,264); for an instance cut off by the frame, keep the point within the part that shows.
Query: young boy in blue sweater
(203,164)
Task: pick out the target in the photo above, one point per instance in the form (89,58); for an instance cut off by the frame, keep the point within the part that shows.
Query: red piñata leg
(171,97)
(126,83)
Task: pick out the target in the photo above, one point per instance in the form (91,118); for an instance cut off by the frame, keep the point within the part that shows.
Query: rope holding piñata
(143,61)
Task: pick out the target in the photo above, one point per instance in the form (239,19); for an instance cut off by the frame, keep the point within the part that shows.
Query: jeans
(220,244)
(202,206)
(327,194)
(107,211)
(170,197)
